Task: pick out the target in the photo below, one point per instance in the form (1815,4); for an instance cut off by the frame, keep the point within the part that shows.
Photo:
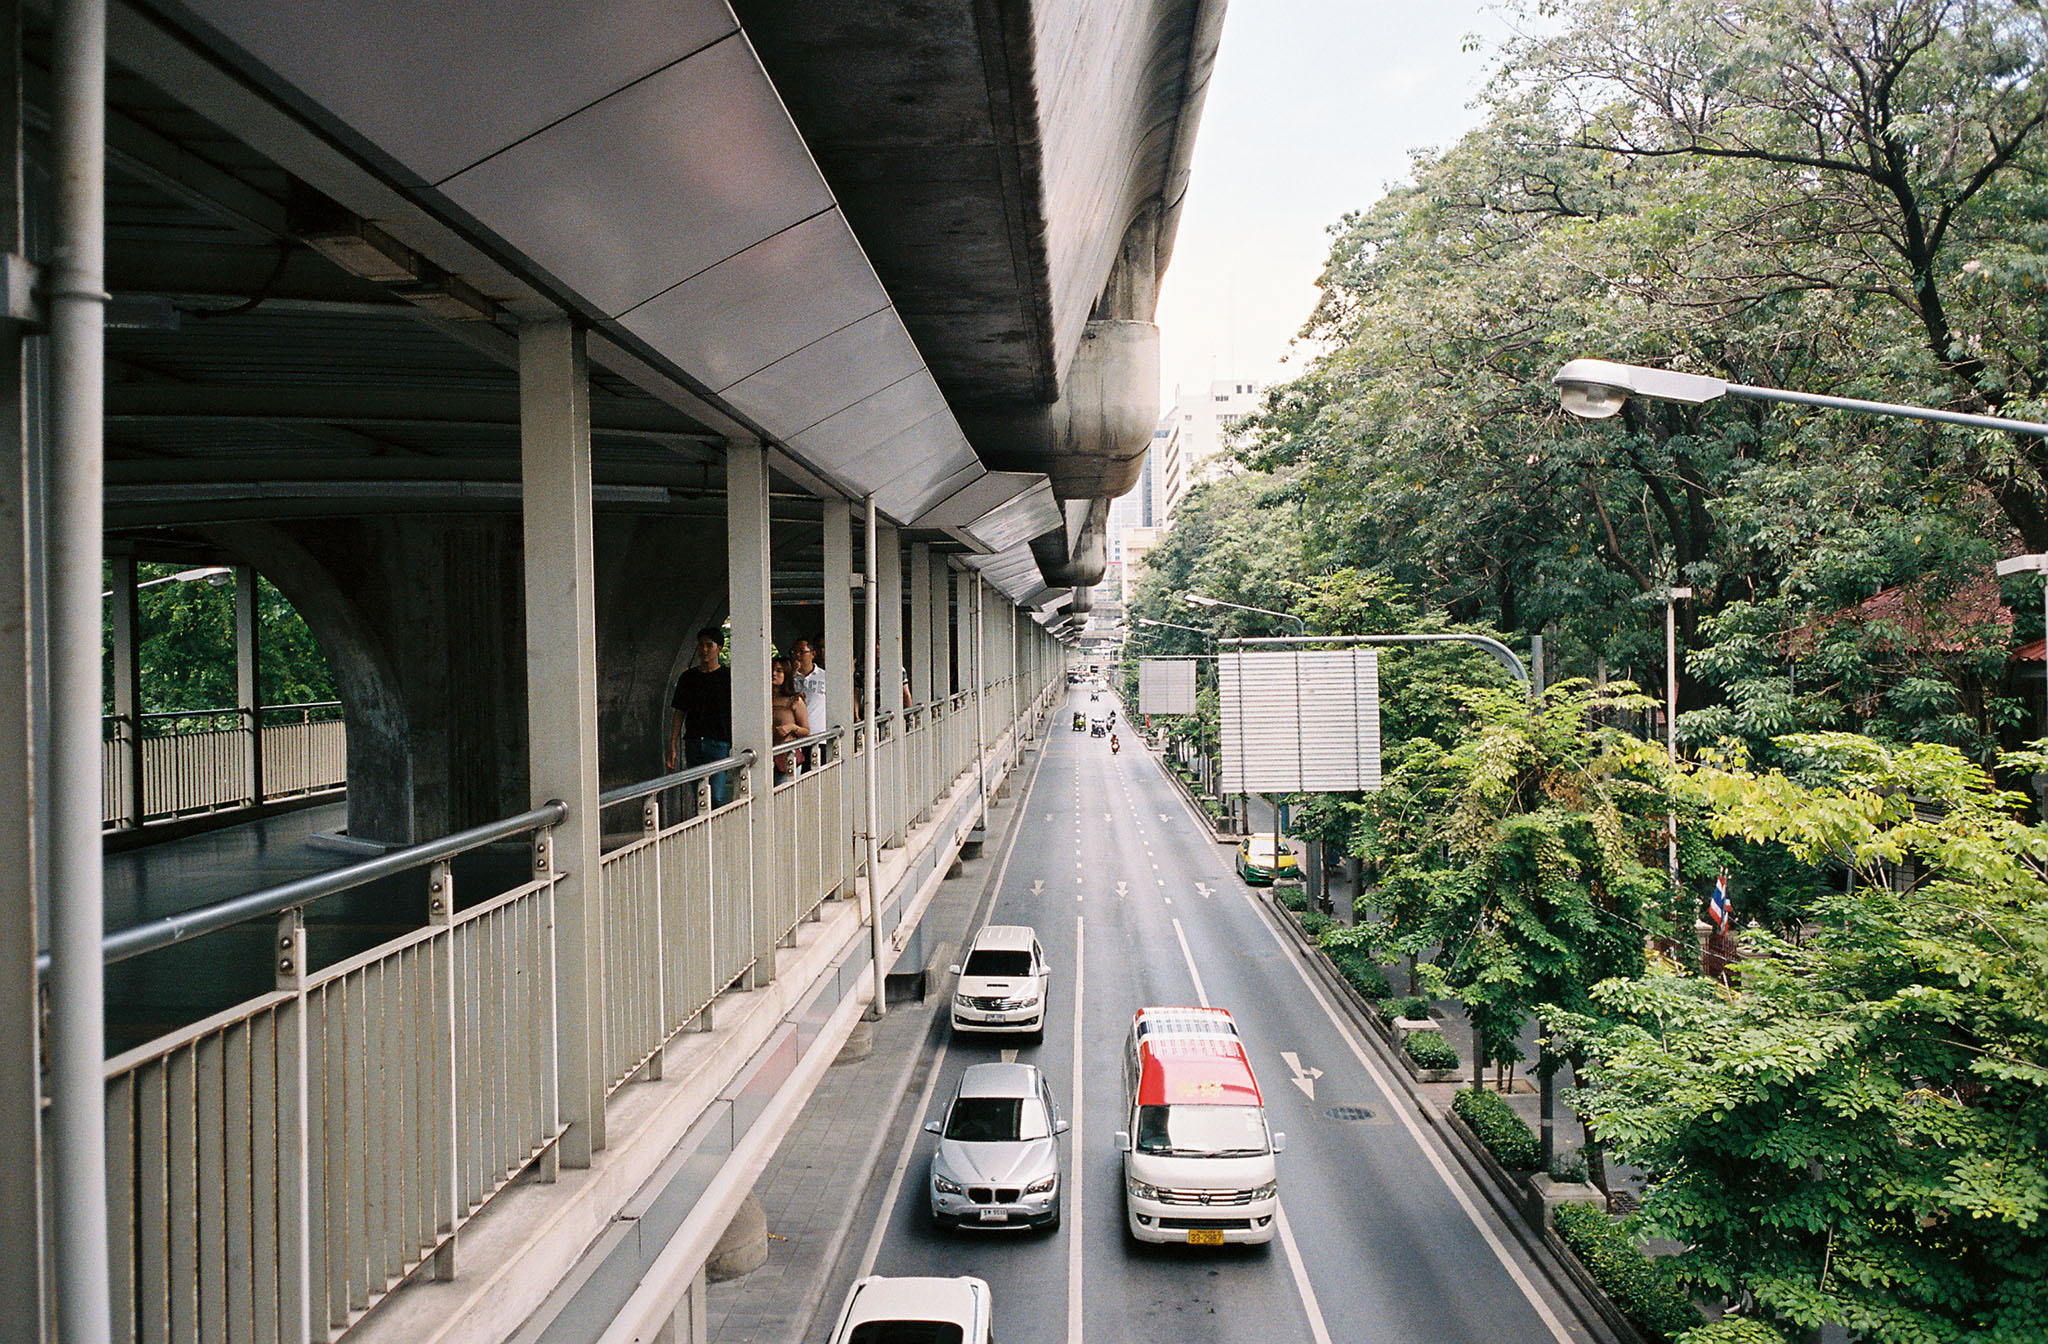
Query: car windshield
(1201,1131)
(905,1332)
(989,961)
(997,1120)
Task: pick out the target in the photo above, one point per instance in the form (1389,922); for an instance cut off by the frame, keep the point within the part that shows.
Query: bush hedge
(1430,1050)
(1644,1290)
(1362,975)
(1293,897)
(1314,922)
(1413,1007)
(1503,1132)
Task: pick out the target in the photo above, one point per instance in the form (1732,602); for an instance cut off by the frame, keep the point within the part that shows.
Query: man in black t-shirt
(700,712)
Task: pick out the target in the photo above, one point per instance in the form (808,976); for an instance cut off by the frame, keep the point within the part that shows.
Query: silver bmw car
(998,1161)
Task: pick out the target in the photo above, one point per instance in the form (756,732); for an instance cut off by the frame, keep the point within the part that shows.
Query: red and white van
(1199,1160)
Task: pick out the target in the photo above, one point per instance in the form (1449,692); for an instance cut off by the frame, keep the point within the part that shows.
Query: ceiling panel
(845,438)
(440,86)
(661,180)
(903,495)
(827,376)
(748,311)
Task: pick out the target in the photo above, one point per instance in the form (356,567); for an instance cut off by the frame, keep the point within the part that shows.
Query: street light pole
(2034,564)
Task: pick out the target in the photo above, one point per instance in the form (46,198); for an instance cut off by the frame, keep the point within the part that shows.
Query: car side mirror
(952,970)
(933,1127)
(1060,1126)
(1279,1144)
(1123,1140)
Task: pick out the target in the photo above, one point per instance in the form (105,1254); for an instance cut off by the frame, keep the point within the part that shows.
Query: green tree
(1858,1133)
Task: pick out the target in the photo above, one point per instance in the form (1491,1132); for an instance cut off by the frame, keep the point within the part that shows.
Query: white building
(1194,436)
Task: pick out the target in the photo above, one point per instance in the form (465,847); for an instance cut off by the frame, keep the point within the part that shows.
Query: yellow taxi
(1262,856)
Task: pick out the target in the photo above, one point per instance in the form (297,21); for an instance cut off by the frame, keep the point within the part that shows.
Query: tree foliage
(1859,1132)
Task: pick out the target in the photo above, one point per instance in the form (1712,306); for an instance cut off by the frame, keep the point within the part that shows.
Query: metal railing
(199,761)
(294,1157)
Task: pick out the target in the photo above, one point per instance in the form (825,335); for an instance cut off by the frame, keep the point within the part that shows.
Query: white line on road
(1201,995)
(1070,1200)
(924,1101)
(1436,1161)
(1301,1283)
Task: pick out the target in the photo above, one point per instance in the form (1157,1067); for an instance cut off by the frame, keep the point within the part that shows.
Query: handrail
(157,934)
(626,793)
(831,734)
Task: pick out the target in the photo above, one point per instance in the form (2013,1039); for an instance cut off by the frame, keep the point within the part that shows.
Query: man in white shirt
(810,683)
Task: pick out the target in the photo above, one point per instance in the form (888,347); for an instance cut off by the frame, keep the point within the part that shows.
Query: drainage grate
(1349,1113)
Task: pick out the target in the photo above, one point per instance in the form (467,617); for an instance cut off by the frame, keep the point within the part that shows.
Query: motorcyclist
(1114,746)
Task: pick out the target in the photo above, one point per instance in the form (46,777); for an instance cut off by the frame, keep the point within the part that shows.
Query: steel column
(21,722)
(869,588)
(125,622)
(750,588)
(249,679)
(939,628)
(561,700)
(837,656)
(76,289)
(980,680)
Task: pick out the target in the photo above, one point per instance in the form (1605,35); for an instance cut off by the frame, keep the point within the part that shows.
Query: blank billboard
(1300,721)
(1166,685)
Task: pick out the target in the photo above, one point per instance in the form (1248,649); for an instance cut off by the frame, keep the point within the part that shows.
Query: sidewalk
(816,1178)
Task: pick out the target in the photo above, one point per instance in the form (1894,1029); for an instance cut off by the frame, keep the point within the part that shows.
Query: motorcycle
(1080,722)
(1114,746)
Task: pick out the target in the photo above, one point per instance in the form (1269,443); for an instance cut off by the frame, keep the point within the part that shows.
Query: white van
(1002,982)
(1199,1161)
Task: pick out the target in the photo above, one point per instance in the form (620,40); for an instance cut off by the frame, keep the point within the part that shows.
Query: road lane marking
(1301,1283)
(1305,1079)
(1201,995)
(1436,1162)
(903,1155)
(1070,1201)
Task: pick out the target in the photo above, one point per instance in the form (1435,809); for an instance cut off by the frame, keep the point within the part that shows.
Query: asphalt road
(1383,1239)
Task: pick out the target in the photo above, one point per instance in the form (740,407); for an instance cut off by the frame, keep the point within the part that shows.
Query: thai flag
(1718,908)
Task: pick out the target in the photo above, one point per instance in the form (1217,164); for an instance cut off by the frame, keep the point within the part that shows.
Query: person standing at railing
(810,683)
(700,712)
(786,703)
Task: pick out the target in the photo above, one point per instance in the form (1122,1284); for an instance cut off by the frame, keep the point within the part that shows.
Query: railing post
(124,621)
(551,1082)
(650,826)
(837,520)
(294,1212)
(447,1137)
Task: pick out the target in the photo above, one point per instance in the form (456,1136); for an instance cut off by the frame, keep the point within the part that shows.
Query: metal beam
(346,405)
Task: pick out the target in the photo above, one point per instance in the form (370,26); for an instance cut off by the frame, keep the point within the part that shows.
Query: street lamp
(212,574)
(1199,600)
(1594,389)
(1169,625)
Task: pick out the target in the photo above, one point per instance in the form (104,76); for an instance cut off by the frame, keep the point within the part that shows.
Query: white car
(882,1310)
(1002,982)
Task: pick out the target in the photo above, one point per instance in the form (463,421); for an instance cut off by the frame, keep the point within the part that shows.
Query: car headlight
(1266,1191)
(1020,1003)
(962,1001)
(1140,1190)
(944,1186)
(1042,1187)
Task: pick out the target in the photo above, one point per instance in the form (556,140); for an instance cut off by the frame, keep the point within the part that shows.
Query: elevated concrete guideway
(512,342)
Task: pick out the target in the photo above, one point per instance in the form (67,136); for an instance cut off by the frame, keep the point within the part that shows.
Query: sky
(1312,111)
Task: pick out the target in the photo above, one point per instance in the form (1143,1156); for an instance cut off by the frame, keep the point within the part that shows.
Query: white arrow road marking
(1206,890)
(1009,1056)
(1122,888)
(1305,1079)
(1037,887)
(1164,817)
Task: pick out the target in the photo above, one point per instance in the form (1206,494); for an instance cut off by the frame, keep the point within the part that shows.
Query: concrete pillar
(750,590)
(249,678)
(889,673)
(124,619)
(23,721)
(744,1247)
(924,775)
(838,659)
(561,700)
(940,627)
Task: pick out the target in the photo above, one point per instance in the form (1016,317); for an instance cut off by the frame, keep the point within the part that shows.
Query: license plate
(998,1216)
(1205,1236)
